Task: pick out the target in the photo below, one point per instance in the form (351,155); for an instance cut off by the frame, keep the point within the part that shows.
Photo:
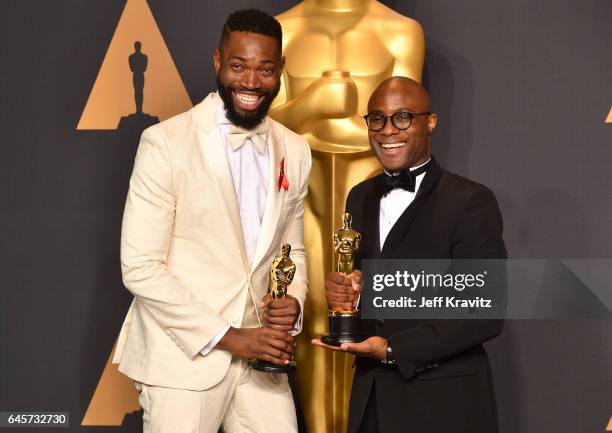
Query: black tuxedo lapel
(402,225)
(371,232)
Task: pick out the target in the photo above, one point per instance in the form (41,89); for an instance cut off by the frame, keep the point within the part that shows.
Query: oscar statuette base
(268,367)
(344,327)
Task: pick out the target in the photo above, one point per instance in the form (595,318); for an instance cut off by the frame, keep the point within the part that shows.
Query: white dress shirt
(250,173)
(394,203)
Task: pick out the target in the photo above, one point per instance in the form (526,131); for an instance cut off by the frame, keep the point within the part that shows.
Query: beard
(254,117)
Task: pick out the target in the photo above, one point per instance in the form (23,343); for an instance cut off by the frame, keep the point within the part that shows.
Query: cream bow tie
(237,136)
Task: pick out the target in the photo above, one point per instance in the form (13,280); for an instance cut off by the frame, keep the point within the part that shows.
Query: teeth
(247,99)
(392,145)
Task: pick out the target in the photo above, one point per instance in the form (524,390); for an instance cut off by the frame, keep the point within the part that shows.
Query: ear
(217,60)
(282,66)
(432,120)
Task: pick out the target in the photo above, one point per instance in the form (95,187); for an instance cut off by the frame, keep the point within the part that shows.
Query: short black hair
(253,21)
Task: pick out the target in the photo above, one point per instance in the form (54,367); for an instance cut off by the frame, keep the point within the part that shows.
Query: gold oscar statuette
(282,272)
(345,325)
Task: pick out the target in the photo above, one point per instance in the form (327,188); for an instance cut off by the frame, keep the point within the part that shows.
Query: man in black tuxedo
(421,376)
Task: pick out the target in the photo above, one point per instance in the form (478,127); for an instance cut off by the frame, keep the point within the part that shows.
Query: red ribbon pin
(282,179)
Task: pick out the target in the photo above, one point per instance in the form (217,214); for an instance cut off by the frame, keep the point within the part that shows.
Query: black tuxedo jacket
(442,382)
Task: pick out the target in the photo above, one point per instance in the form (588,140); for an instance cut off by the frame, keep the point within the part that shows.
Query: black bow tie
(406,179)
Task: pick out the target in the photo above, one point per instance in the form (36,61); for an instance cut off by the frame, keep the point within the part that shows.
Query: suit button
(380,322)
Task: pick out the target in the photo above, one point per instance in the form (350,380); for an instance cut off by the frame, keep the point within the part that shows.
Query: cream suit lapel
(215,158)
(275,199)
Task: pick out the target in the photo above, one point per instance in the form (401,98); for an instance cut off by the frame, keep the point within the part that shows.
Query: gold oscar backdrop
(337,52)
(113,100)
(609,119)
(609,425)
(112,95)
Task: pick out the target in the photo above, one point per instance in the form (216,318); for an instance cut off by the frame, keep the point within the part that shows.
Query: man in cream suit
(214,193)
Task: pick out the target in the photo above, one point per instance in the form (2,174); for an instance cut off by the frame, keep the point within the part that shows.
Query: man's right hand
(263,343)
(342,291)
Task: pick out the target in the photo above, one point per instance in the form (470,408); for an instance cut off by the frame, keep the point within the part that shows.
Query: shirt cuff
(212,343)
(297,325)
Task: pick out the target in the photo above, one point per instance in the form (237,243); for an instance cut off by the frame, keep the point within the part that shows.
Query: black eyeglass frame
(390,116)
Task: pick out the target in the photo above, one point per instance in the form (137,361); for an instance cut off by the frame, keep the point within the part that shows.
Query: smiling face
(249,67)
(399,149)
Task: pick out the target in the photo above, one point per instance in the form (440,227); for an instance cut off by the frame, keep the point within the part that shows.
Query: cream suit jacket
(182,249)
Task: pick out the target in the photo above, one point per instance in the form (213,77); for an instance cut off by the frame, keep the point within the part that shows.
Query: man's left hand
(373,347)
(280,313)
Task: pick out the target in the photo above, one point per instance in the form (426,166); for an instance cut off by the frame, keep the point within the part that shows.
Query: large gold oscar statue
(337,52)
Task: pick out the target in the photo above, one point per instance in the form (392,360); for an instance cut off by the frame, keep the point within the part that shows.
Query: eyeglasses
(401,119)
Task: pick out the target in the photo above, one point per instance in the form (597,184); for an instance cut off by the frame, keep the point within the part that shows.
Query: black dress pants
(369,422)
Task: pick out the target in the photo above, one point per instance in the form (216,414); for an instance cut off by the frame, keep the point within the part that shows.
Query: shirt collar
(411,168)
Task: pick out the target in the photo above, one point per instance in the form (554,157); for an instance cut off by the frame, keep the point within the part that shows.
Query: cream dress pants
(245,401)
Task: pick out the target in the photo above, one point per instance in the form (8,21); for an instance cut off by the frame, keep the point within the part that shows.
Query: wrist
(389,356)
(226,341)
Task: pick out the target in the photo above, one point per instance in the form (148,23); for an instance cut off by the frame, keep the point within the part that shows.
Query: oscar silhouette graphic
(138,121)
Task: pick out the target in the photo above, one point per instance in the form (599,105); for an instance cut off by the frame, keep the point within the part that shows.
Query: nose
(250,80)
(389,128)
